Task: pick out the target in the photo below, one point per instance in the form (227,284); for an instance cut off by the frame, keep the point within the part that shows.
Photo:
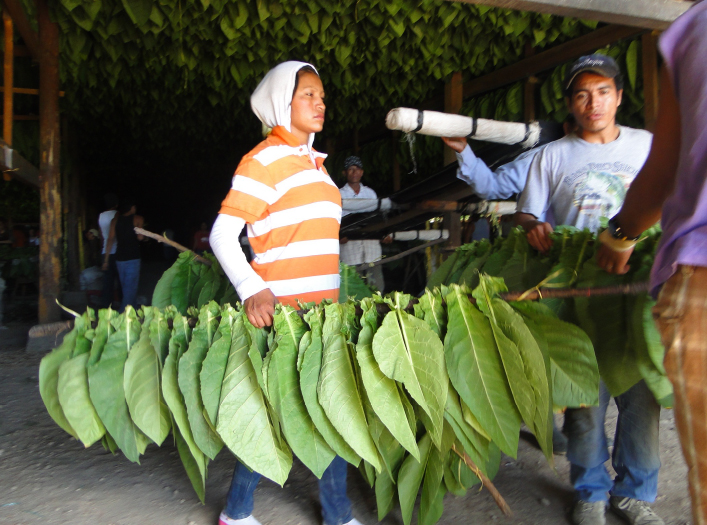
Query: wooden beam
(648,14)
(29,35)
(529,89)
(25,91)
(453,99)
(8,78)
(50,233)
(549,59)
(452,222)
(649,45)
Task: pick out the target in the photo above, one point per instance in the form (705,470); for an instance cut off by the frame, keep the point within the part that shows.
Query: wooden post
(529,89)
(453,99)
(394,139)
(50,237)
(453,223)
(8,79)
(649,44)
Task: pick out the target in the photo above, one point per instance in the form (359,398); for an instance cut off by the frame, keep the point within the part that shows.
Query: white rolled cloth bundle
(448,125)
(365,205)
(421,235)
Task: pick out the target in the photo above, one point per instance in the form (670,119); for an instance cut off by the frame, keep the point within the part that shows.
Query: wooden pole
(8,78)
(50,235)
(453,99)
(24,28)
(529,89)
(649,45)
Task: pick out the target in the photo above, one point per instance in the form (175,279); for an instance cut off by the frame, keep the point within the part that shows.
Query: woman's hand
(260,308)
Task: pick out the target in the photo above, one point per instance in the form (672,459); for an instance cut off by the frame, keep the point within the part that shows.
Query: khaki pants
(681,316)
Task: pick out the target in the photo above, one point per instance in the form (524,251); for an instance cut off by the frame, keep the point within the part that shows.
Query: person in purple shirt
(674,179)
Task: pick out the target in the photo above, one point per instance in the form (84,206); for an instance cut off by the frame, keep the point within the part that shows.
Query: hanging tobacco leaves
(406,390)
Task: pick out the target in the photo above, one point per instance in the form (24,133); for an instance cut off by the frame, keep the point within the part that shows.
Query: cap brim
(599,71)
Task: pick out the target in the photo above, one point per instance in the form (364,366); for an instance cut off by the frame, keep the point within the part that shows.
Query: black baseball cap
(353,160)
(600,64)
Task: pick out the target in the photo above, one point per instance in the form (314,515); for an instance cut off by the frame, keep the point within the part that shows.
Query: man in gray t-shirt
(577,180)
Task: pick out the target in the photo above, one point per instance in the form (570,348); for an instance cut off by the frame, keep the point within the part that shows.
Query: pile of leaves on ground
(626,340)
(413,392)
(189,282)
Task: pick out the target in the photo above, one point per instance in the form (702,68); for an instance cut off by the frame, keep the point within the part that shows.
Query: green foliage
(333,382)
(620,327)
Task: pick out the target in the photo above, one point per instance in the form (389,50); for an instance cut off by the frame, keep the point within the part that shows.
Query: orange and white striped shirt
(293,212)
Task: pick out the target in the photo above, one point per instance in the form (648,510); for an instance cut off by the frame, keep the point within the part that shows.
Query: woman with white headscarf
(292,209)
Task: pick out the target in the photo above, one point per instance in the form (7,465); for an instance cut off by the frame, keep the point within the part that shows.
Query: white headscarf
(272,99)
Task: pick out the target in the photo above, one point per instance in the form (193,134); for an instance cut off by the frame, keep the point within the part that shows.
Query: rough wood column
(49,179)
(649,46)
(8,78)
(529,89)
(453,223)
(453,99)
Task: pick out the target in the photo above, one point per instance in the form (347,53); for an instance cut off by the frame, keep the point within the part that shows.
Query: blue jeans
(636,456)
(109,277)
(129,273)
(336,507)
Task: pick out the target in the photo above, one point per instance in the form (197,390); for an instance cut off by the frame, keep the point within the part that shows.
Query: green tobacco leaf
(520,384)
(189,369)
(160,332)
(203,274)
(182,284)
(573,365)
(410,478)
(385,495)
(285,395)
(309,378)
(138,10)
(430,307)
(243,421)
(106,387)
(214,366)
(352,285)
(178,344)
(382,392)
(408,351)
(433,490)
(442,273)
(470,275)
(162,296)
(75,401)
(143,392)
(101,333)
(522,360)
(649,350)
(192,465)
(473,442)
(476,371)
(49,379)
(337,391)
(209,291)
(605,321)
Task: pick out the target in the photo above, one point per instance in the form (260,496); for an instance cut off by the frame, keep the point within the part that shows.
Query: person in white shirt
(110,275)
(354,252)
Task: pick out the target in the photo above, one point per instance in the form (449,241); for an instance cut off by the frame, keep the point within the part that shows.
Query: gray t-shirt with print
(579,182)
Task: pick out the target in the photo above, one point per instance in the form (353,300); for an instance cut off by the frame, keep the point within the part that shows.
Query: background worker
(282,191)
(579,179)
(110,273)
(354,252)
(675,179)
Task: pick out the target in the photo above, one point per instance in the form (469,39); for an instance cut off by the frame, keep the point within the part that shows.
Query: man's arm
(487,184)
(653,184)
(110,241)
(533,203)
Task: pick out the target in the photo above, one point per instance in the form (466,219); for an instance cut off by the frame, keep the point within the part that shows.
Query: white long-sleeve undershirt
(224,242)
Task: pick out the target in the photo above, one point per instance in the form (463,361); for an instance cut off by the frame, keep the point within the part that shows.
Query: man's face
(594,101)
(354,174)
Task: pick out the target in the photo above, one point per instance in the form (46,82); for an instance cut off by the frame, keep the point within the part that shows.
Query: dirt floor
(47,477)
